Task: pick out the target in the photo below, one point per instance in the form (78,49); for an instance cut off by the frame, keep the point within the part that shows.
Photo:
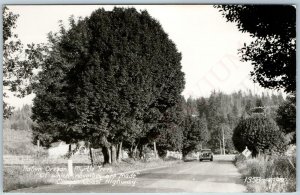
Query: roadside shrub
(260,134)
(16,178)
(268,173)
(239,158)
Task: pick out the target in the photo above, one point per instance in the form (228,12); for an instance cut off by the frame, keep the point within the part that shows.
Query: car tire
(200,160)
(211,159)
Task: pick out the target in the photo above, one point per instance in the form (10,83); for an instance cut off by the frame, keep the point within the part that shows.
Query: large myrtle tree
(107,79)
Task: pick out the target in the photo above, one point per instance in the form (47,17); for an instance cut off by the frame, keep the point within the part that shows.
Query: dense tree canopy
(110,77)
(192,129)
(259,133)
(286,117)
(170,129)
(273,50)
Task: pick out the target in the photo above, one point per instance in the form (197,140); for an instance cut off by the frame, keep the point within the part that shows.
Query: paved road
(194,176)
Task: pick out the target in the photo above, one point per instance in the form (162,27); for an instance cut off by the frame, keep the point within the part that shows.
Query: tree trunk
(113,154)
(106,155)
(184,155)
(91,156)
(70,149)
(141,152)
(223,141)
(70,162)
(120,152)
(155,150)
(135,152)
(220,146)
(109,155)
(131,152)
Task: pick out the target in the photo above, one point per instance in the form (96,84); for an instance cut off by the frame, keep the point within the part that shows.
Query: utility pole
(223,140)
(38,145)
(220,146)
(70,162)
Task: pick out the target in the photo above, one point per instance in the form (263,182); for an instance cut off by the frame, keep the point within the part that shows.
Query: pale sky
(207,42)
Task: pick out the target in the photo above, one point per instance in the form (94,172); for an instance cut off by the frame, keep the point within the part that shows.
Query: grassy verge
(17,177)
(268,173)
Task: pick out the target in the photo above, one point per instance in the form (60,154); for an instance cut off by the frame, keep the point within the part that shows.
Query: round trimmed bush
(259,133)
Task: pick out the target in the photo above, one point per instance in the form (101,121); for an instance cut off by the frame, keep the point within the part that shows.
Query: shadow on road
(223,161)
(189,160)
(192,177)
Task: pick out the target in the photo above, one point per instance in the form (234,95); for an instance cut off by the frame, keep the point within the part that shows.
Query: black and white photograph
(149,98)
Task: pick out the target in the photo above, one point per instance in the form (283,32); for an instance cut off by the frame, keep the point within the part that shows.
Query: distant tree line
(20,119)
(222,113)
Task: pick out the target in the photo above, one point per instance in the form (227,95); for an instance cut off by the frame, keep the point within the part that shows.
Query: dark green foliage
(286,116)
(205,135)
(7,110)
(170,138)
(219,115)
(202,107)
(110,78)
(272,19)
(259,133)
(191,107)
(193,127)
(170,129)
(273,52)
(9,23)
(259,103)
(9,47)
(235,111)
(248,107)
(17,71)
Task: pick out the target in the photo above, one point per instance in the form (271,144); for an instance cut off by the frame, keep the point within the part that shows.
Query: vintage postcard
(149,98)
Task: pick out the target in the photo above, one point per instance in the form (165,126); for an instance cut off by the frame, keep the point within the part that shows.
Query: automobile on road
(206,154)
